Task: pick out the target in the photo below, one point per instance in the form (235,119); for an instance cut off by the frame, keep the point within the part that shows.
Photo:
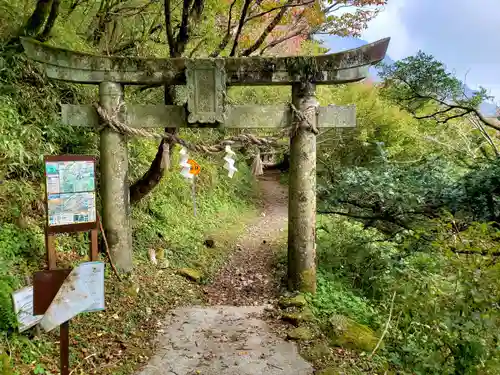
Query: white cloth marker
(231,169)
(186,167)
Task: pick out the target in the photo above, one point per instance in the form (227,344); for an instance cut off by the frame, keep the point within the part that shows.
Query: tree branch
(152,177)
(288,5)
(474,121)
(225,41)
(38,17)
(244,12)
(276,20)
(168,28)
(183,34)
(276,42)
(54,13)
(448,107)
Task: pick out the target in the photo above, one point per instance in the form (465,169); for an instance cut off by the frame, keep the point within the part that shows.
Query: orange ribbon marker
(195,167)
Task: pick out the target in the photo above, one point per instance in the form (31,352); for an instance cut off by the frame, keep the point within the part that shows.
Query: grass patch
(118,340)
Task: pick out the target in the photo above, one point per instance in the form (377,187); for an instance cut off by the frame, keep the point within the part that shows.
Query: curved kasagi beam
(343,67)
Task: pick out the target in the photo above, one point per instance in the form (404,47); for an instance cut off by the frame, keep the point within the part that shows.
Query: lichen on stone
(296,318)
(296,301)
(350,334)
(300,334)
(308,280)
(190,274)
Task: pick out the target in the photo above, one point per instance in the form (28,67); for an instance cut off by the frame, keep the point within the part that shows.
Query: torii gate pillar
(115,190)
(302,193)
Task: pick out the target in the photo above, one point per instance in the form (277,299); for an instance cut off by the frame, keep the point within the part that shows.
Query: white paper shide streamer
(186,167)
(230,162)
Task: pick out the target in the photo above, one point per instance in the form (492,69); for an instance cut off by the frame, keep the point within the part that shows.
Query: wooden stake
(94,245)
(51,250)
(194,195)
(107,249)
(64,328)
(302,194)
(64,347)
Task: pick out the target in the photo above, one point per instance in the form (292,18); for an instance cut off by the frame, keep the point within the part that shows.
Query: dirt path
(246,279)
(231,337)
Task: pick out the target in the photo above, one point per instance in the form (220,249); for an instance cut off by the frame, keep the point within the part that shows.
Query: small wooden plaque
(46,284)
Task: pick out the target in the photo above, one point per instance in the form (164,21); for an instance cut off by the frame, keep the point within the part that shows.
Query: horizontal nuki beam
(343,67)
(244,116)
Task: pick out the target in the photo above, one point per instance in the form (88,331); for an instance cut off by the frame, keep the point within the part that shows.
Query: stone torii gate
(206,80)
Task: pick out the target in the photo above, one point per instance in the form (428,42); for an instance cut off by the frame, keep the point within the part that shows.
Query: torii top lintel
(343,67)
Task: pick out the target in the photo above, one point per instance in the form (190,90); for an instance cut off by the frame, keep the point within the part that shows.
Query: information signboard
(23,308)
(70,193)
(82,291)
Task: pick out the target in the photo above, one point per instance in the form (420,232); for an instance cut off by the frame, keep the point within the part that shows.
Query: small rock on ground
(224,340)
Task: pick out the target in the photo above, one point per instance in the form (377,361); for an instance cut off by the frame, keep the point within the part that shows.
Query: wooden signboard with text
(70,202)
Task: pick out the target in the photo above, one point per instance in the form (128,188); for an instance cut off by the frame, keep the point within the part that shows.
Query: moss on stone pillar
(114,183)
(302,194)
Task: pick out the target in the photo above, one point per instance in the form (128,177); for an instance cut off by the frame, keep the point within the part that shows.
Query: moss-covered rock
(317,351)
(297,301)
(347,333)
(296,318)
(300,334)
(190,273)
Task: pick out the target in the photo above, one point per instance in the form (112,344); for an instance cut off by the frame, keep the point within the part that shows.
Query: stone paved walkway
(231,337)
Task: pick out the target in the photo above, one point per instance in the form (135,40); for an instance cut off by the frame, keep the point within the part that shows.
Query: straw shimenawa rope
(301,118)
(111,119)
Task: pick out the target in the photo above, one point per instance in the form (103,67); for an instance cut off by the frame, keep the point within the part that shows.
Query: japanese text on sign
(82,291)
(70,192)
(23,308)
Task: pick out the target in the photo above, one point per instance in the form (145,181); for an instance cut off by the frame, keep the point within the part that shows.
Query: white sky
(463,34)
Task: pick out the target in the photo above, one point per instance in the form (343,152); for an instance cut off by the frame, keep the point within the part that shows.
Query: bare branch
(244,12)
(474,121)
(168,28)
(280,7)
(278,41)
(276,20)
(225,41)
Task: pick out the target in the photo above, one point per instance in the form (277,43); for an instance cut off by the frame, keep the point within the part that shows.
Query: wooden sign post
(71,207)
(195,171)
(206,81)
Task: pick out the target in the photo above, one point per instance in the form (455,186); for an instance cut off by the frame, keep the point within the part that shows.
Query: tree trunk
(160,164)
(302,195)
(38,17)
(114,183)
(54,13)
(153,176)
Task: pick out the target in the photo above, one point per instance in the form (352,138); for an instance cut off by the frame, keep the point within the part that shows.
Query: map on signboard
(23,308)
(82,291)
(70,192)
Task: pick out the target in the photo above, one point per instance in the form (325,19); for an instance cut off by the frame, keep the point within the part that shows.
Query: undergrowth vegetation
(408,242)
(163,221)
(408,226)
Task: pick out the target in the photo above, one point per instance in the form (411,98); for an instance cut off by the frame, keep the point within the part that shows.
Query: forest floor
(232,335)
